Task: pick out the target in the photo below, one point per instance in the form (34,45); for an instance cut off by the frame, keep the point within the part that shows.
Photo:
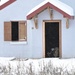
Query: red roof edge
(44,7)
(6,4)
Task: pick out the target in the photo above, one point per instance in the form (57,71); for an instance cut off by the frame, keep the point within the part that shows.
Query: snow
(3,1)
(64,7)
(6,58)
(13,66)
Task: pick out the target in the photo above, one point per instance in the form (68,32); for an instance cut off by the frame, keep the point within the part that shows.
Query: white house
(37,28)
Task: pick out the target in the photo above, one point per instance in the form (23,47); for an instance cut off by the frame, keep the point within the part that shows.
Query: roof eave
(31,15)
(6,4)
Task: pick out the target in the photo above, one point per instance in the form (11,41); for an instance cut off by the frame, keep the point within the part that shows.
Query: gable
(57,5)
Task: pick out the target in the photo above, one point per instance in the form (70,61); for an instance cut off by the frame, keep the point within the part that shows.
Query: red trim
(49,5)
(6,4)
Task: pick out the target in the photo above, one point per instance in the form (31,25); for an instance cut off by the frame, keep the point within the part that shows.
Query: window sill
(25,42)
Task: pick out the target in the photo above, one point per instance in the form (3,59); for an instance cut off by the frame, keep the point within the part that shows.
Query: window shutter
(22,31)
(7,31)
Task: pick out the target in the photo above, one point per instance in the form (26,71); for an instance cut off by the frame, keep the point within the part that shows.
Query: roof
(57,5)
(5,3)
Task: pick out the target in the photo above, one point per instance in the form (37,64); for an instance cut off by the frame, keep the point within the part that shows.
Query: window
(15,31)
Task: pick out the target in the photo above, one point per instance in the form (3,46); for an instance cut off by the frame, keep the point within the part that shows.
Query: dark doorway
(15,31)
(51,39)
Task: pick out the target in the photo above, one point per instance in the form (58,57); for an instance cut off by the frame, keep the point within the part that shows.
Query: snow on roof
(57,3)
(3,1)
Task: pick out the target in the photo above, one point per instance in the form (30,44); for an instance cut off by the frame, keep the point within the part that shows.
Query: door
(52,38)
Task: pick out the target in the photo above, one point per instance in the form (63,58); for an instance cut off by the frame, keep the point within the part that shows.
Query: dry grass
(44,69)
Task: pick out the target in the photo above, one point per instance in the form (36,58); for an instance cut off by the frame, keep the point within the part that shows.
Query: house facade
(37,29)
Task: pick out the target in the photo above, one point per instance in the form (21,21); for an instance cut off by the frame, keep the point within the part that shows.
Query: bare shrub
(4,70)
(20,68)
(49,69)
(29,70)
(45,69)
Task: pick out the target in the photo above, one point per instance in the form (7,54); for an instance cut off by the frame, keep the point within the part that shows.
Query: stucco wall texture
(33,47)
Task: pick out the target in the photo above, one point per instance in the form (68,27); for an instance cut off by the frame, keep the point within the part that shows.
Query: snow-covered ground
(44,66)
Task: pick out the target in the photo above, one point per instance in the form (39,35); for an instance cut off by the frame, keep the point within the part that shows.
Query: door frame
(60,36)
